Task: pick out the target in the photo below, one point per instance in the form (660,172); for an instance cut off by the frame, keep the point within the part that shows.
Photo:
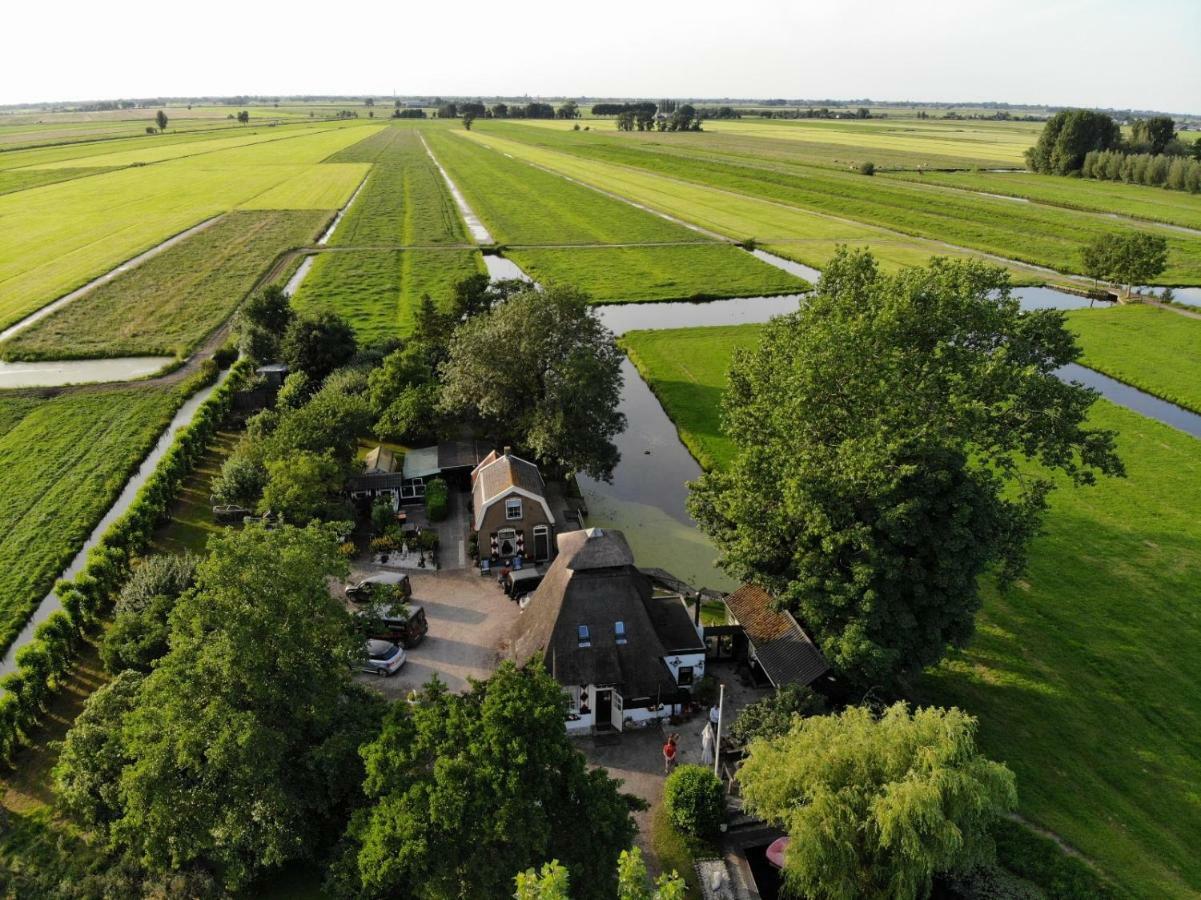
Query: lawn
(170,303)
(377,291)
(191,523)
(1084,676)
(63,461)
(1155,350)
(1036,234)
(23,179)
(59,236)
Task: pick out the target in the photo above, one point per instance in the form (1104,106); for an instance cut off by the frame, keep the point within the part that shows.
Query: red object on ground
(775,852)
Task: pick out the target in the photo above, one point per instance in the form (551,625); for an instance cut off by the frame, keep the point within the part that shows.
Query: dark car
(405,625)
(519,582)
(362,591)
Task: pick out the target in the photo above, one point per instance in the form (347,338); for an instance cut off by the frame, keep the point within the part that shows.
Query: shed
(778,643)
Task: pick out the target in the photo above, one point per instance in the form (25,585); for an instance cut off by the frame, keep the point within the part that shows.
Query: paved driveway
(468,618)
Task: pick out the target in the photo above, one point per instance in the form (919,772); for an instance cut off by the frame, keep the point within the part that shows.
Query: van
(361,591)
(519,582)
(404,625)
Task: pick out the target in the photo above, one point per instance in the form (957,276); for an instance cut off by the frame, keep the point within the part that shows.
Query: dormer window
(585,637)
(513,508)
(619,631)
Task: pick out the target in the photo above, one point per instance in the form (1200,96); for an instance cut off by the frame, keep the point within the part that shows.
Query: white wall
(696,660)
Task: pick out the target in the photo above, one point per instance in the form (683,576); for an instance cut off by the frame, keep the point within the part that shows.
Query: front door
(617,717)
(541,543)
(604,710)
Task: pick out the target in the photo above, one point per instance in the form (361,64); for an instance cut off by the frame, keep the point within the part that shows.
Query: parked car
(361,591)
(519,582)
(383,658)
(401,624)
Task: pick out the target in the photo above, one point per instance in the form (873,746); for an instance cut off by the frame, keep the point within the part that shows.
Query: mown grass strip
(24,179)
(62,463)
(169,304)
(1084,675)
(1155,350)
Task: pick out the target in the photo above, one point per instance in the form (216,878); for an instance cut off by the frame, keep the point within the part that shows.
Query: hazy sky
(1113,53)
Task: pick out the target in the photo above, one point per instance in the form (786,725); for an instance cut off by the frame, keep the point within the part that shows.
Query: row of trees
(1177,173)
(1070,136)
(684,118)
(1125,258)
(532,110)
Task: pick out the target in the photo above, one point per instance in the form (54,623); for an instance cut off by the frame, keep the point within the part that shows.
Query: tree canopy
(876,807)
(1125,258)
(542,372)
(1068,136)
(317,343)
(896,438)
(466,790)
(553,882)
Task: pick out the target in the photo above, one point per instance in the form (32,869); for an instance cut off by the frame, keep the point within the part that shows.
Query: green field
(1084,676)
(523,206)
(170,303)
(377,291)
(1155,350)
(62,463)
(1040,235)
(59,236)
(23,179)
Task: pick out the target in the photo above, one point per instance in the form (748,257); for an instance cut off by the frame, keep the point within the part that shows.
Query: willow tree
(896,438)
(877,807)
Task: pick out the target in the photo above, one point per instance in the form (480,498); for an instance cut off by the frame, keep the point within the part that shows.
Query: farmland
(167,305)
(531,211)
(119,214)
(1040,235)
(1155,350)
(62,462)
(1101,732)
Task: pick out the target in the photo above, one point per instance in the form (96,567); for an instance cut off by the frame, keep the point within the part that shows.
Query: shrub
(437,500)
(772,716)
(867,168)
(695,800)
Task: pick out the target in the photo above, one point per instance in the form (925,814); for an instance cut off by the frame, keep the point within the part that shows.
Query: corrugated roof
(784,650)
(421,462)
(460,454)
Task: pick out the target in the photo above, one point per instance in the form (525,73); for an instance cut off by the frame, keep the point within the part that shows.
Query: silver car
(382,657)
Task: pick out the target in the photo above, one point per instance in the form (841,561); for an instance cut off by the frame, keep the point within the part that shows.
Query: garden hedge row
(41,664)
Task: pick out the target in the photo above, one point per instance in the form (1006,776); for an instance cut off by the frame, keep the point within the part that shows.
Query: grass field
(169,304)
(1037,234)
(59,236)
(523,205)
(1084,676)
(62,463)
(1135,200)
(1155,350)
(23,179)
(377,291)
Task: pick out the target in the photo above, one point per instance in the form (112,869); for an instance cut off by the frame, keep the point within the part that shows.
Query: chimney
(508,451)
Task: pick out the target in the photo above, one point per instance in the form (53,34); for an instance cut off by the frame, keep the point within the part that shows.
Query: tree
(300,487)
(160,119)
(773,715)
(888,453)
(138,635)
(877,807)
(569,110)
(317,343)
(240,482)
(552,882)
(695,800)
(540,371)
(468,118)
(467,789)
(500,111)
(270,308)
(625,121)
(1067,137)
(244,117)
(448,111)
(1154,133)
(1125,258)
(252,716)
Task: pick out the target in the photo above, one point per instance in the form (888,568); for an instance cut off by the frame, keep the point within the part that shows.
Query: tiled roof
(785,652)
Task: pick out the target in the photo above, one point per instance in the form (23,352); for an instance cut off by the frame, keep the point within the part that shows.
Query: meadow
(1046,236)
(538,214)
(1155,350)
(170,303)
(119,214)
(23,179)
(1083,675)
(63,461)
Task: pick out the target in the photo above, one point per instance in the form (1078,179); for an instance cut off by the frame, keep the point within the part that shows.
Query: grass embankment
(404,202)
(1039,235)
(1155,350)
(62,463)
(59,236)
(523,205)
(170,303)
(1084,676)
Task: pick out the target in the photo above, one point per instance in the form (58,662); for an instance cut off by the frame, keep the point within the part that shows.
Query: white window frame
(511,504)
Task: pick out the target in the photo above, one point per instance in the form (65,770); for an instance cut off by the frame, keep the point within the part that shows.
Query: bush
(867,168)
(437,500)
(695,800)
(772,716)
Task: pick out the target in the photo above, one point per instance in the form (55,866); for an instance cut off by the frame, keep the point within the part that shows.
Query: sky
(1105,53)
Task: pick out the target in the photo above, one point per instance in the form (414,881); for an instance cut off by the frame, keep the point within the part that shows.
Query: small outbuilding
(624,653)
(776,646)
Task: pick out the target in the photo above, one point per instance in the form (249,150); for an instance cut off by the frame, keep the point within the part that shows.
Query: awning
(421,462)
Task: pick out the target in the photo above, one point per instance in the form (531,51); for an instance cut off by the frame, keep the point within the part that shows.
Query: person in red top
(669,754)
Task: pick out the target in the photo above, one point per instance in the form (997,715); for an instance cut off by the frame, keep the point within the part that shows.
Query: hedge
(437,499)
(42,663)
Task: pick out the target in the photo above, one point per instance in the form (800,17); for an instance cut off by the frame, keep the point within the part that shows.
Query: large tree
(1125,258)
(242,743)
(1155,133)
(895,439)
(466,790)
(1068,136)
(877,807)
(540,371)
(317,343)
